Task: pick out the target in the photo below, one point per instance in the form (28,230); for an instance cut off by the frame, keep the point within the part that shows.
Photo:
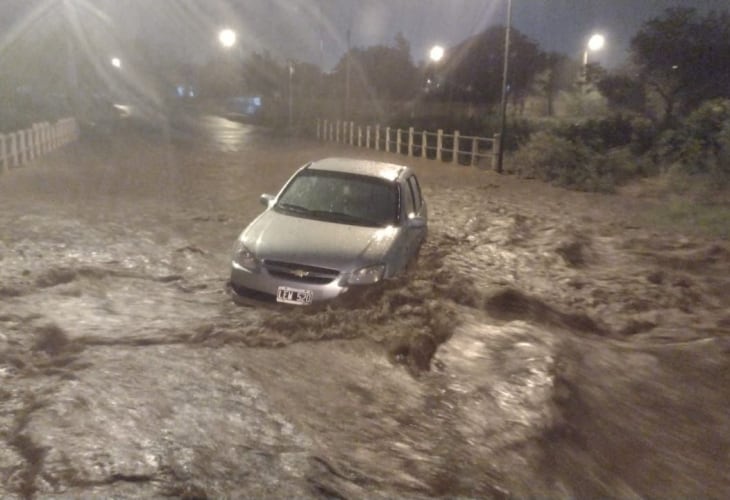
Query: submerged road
(548,344)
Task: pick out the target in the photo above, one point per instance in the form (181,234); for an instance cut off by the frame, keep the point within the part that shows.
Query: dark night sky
(315,30)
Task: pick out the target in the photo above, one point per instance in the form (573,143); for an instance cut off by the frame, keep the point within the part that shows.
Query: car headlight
(366,275)
(244,257)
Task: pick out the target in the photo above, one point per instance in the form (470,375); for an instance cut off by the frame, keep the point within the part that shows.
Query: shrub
(701,143)
(600,134)
(555,159)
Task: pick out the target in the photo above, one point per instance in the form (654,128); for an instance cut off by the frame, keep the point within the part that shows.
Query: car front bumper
(262,286)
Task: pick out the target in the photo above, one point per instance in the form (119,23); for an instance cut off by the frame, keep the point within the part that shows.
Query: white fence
(454,147)
(23,146)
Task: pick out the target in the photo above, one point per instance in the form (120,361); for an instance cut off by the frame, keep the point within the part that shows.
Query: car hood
(277,236)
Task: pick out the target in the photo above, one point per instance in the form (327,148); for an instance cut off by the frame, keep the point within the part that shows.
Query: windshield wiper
(343,217)
(294,208)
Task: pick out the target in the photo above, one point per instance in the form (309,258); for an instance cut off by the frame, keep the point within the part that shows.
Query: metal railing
(454,147)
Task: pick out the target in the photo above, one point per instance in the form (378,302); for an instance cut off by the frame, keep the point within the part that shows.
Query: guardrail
(23,146)
(422,143)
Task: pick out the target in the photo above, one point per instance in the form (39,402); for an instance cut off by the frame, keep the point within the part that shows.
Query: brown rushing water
(546,344)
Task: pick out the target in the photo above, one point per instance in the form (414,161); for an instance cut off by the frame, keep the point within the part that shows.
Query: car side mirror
(267,200)
(416,222)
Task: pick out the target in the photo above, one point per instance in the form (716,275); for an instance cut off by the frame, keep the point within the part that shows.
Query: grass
(692,217)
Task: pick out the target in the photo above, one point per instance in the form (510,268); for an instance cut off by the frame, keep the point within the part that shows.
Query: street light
(227,38)
(436,53)
(116,62)
(596,42)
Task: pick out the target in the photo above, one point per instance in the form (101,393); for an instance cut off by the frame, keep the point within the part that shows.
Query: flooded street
(547,344)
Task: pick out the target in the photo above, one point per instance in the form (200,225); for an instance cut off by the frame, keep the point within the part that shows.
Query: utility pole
(291,95)
(347,78)
(505,72)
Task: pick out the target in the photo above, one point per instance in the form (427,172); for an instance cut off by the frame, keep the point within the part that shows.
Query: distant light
(675,67)
(227,38)
(436,53)
(596,42)
(116,62)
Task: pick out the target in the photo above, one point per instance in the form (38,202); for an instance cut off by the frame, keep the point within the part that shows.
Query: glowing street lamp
(436,53)
(227,38)
(116,62)
(596,42)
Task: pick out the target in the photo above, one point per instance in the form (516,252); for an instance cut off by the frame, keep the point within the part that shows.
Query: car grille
(301,272)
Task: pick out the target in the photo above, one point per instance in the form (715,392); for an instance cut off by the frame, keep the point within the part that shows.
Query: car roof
(388,171)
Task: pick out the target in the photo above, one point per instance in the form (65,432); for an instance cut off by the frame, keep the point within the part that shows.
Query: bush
(555,159)
(600,134)
(701,143)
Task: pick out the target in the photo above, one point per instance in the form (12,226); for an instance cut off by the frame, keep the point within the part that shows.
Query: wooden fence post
(410,141)
(352,133)
(377,137)
(397,141)
(424,145)
(474,151)
(439,143)
(22,145)
(387,139)
(31,143)
(367,137)
(37,132)
(3,153)
(332,131)
(46,138)
(337,131)
(61,136)
(14,148)
(455,159)
(318,125)
(495,151)
(359,136)
(30,138)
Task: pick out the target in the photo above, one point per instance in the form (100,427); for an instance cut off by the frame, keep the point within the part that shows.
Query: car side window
(407,195)
(415,190)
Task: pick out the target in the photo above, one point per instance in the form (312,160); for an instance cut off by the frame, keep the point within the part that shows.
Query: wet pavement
(547,344)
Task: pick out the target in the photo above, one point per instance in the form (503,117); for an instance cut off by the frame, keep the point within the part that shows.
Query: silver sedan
(337,223)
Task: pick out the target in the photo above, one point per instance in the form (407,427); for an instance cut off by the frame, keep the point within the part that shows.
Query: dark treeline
(657,105)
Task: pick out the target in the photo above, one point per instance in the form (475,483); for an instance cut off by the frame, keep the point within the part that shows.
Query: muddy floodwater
(547,344)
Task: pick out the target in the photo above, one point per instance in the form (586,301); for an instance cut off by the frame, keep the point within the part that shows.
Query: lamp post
(116,62)
(347,75)
(503,104)
(291,96)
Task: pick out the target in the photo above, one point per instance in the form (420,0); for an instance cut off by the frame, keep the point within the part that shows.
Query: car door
(415,207)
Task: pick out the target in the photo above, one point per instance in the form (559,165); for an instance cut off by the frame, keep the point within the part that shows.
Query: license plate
(295,296)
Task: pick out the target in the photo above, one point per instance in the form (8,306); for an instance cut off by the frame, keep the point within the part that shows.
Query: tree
(558,75)
(684,58)
(475,66)
(379,72)
(623,91)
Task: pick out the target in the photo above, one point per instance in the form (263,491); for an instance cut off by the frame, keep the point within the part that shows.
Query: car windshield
(342,198)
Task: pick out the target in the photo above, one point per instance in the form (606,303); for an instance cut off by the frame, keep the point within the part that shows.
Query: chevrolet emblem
(301,273)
